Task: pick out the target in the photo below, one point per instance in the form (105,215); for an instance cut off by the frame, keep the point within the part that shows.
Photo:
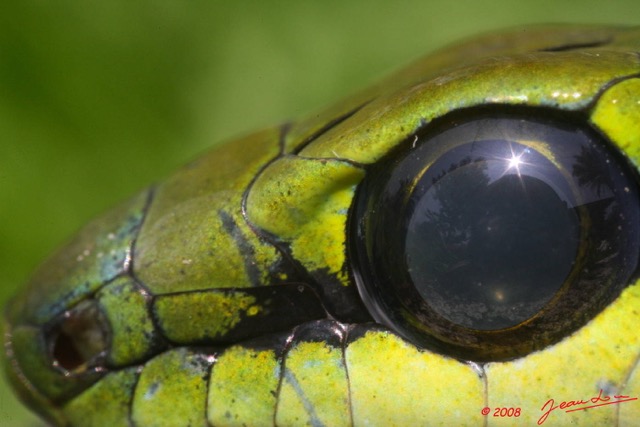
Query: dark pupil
(493,237)
(492,234)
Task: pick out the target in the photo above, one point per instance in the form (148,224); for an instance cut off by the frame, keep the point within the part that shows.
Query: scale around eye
(499,231)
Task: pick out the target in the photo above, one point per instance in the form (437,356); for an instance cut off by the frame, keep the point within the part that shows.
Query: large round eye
(490,235)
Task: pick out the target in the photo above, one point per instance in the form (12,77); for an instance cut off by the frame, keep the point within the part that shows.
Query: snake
(456,245)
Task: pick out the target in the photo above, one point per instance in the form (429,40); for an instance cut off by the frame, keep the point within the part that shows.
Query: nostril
(65,353)
(78,338)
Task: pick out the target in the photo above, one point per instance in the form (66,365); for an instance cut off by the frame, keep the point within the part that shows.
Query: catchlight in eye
(496,234)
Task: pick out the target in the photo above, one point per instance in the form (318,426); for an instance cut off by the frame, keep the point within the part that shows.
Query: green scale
(457,245)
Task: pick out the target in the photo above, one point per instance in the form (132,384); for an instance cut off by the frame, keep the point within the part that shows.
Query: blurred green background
(98,99)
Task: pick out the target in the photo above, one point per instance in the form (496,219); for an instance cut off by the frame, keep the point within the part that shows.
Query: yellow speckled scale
(574,369)
(314,389)
(304,201)
(185,318)
(129,341)
(617,113)
(233,293)
(395,384)
(106,403)
(175,373)
(243,387)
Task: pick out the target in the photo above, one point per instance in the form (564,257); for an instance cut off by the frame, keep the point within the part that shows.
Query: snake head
(466,231)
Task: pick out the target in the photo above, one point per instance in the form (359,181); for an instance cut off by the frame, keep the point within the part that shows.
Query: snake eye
(78,338)
(488,236)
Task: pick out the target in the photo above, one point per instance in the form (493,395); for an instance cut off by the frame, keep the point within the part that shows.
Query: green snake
(457,245)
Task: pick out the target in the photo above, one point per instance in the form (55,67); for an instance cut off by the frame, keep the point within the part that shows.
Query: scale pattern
(227,287)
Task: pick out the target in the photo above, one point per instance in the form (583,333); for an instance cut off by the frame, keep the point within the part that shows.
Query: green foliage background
(100,98)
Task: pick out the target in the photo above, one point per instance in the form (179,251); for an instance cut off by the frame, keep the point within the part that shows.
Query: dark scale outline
(282,360)
(200,353)
(277,342)
(148,298)
(578,46)
(261,234)
(314,331)
(246,250)
(327,127)
(345,341)
(303,275)
(590,107)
